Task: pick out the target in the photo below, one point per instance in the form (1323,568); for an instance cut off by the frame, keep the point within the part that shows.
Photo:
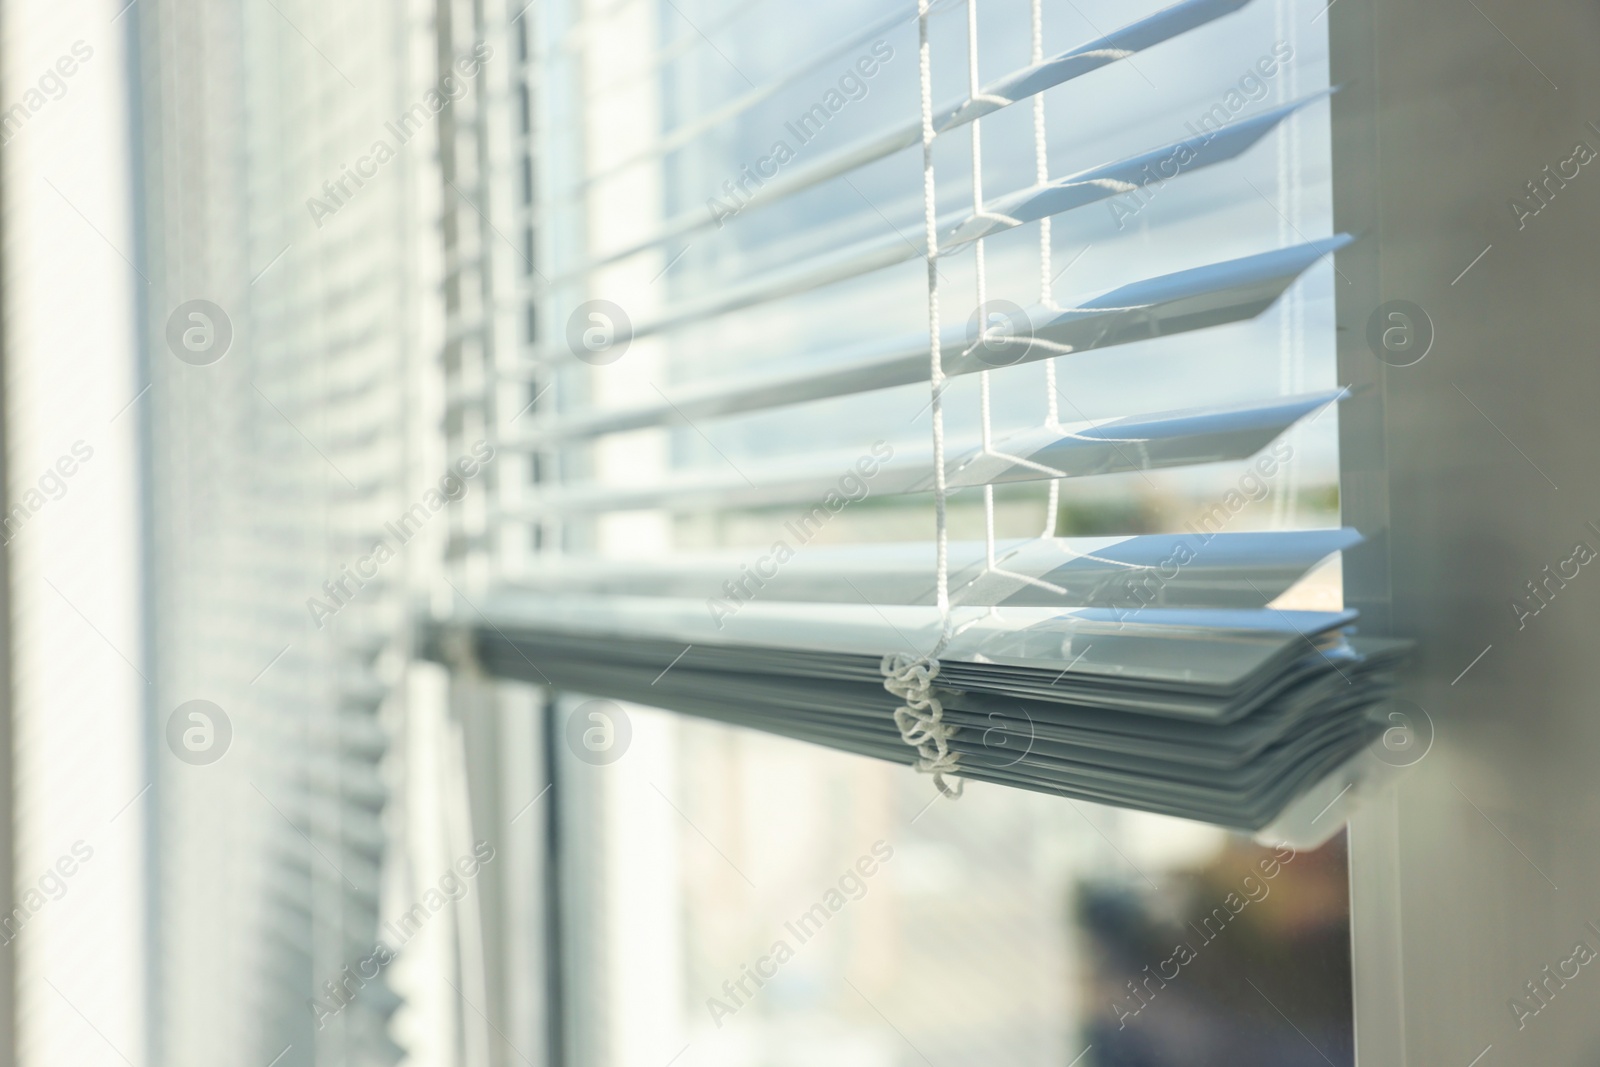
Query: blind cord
(980,271)
(920,717)
(991,564)
(1291,308)
(1041,173)
(936,378)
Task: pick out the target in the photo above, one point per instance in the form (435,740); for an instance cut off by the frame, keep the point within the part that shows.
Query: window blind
(274,461)
(754,399)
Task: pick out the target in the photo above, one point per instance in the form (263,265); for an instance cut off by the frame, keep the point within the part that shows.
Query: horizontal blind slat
(683,135)
(1193,299)
(1116,446)
(1082,189)
(1015,87)
(1199,649)
(1199,570)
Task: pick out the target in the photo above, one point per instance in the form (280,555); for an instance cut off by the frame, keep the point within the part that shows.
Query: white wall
(80,660)
(1474,470)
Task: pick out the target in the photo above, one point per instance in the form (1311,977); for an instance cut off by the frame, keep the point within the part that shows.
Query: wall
(1471,467)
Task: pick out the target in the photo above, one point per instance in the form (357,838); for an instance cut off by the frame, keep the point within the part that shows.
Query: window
(517,553)
(710,496)
(730,234)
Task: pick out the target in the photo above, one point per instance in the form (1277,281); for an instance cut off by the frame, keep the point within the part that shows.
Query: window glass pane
(748,899)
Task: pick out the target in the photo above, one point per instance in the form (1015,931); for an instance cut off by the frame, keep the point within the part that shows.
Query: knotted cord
(920,715)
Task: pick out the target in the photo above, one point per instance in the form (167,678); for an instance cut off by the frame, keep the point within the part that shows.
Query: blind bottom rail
(1235,755)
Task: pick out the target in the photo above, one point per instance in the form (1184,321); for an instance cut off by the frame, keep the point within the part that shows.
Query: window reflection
(1243,958)
(755,900)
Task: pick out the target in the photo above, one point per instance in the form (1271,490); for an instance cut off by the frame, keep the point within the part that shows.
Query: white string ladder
(920,716)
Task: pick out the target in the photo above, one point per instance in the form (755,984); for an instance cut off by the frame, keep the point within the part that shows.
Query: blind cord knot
(920,718)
